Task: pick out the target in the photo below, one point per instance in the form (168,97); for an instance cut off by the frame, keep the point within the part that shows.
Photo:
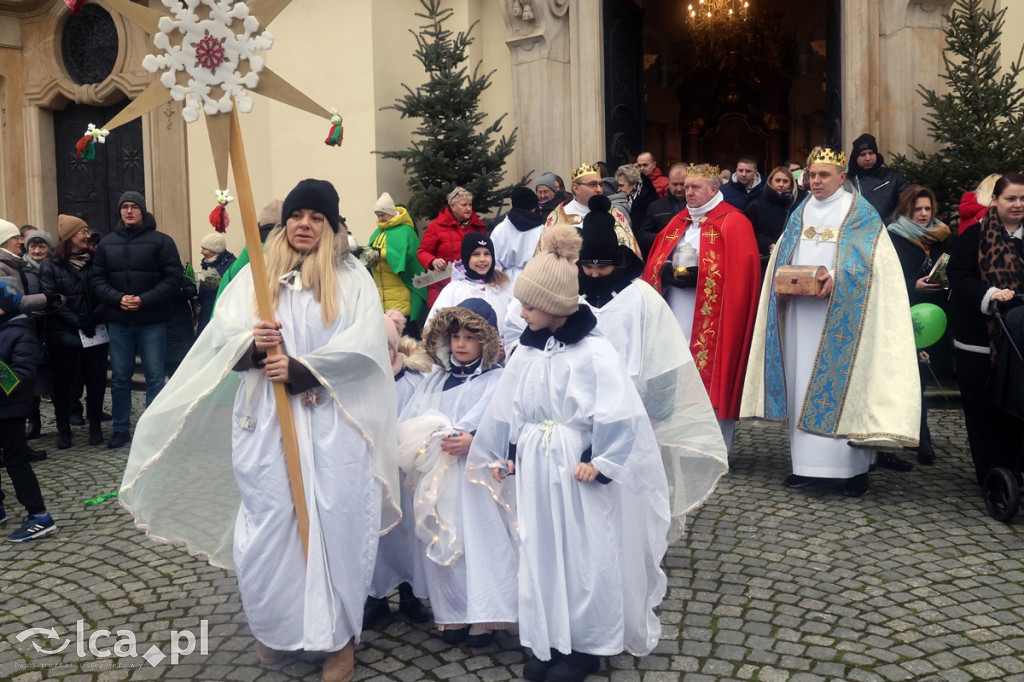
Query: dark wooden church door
(89,189)
(623,81)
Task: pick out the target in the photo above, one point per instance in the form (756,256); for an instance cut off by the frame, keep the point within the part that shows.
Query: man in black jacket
(136,273)
(880,185)
(662,210)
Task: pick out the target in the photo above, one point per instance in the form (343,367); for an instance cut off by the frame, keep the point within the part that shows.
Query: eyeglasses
(592,184)
(130,207)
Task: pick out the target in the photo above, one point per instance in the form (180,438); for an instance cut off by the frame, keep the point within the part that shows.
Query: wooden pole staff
(250,224)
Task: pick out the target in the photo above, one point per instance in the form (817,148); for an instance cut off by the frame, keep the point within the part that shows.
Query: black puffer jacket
(80,311)
(138,262)
(768,214)
(881,186)
(19,349)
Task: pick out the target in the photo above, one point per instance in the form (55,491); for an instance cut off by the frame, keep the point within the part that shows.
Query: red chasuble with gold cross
(728,287)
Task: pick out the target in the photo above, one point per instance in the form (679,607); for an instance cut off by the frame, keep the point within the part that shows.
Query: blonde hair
(317,269)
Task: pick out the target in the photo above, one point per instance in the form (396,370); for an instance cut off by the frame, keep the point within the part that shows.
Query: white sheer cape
(179,482)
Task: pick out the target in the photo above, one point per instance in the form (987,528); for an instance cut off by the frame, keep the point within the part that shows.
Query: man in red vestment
(705,262)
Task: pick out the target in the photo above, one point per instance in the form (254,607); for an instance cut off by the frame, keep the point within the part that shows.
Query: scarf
(79,260)
(999,259)
(460,374)
(700,211)
(34,264)
(599,291)
(524,221)
(634,193)
(924,237)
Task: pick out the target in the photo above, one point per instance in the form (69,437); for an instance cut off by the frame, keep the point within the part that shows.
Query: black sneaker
(536,670)
(456,636)
(374,611)
(888,460)
(926,455)
(410,605)
(119,439)
(856,486)
(34,527)
(797,481)
(481,640)
(35,455)
(573,668)
(3,514)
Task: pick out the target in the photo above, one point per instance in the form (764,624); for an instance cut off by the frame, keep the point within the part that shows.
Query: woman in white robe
(335,368)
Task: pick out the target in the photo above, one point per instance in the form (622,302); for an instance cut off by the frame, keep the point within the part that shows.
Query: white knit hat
(214,242)
(550,281)
(8,230)
(385,205)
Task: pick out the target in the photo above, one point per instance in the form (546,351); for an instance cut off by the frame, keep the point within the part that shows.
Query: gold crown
(702,170)
(826,155)
(585,169)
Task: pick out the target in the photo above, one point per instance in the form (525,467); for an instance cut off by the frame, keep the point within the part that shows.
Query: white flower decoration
(214,55)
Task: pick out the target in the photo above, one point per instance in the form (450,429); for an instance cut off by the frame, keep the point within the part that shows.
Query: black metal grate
(89,45)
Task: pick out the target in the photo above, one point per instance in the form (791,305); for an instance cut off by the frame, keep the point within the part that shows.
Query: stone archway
(47,88)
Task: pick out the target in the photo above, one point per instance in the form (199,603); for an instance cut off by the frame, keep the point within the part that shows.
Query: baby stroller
(1002,485)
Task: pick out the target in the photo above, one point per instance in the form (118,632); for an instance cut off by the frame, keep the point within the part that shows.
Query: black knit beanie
(470,243)
(600,243)
(524,199)
(318,195)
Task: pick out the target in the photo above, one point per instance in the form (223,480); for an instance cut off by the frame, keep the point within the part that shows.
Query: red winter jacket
(443,239)
(659,181)
(971,212)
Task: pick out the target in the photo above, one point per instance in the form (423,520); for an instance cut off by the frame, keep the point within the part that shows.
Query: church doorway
(766,86)
(89,189)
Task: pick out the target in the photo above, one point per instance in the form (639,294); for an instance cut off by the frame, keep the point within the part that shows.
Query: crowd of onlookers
(79,305)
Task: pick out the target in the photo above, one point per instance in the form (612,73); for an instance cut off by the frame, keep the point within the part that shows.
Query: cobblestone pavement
(911,582)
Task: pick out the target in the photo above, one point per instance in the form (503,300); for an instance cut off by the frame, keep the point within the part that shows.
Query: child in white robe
(590,496)
(460,530)
(645,332)
(515,238)
(475,277)
(398,563)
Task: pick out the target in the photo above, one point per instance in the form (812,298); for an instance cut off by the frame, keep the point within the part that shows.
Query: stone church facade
(551,76)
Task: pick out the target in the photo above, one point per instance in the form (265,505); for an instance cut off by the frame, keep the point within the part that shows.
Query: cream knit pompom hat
(550,281)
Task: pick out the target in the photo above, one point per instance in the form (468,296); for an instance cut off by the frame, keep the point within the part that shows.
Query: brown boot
(340,665)
(267,655)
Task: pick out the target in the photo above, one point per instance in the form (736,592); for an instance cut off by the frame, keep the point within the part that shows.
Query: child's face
(597,270)
(538,319)
(207,253)
(466,348)
(480,260)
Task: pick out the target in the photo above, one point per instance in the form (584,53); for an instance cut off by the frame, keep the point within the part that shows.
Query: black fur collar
(576,327)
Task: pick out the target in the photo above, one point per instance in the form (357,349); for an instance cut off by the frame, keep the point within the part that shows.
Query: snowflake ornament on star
(208,55)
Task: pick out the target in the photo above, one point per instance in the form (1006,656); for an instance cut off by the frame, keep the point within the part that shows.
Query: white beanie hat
(8,230)
(385,205)
(215,242)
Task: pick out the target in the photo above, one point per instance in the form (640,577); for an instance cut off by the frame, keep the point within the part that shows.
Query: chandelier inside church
(706,13)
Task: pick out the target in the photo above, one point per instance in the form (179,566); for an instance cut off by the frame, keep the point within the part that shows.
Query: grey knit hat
(39,234)
(550,281)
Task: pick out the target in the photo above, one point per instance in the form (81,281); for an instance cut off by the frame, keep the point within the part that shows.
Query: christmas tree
(450,149)
(979,123)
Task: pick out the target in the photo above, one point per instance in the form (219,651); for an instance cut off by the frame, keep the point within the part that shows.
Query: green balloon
(929,323)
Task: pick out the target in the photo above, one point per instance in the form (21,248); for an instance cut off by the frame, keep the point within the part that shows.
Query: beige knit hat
(68,225)
(385,205)
(215,242)
(550,281)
